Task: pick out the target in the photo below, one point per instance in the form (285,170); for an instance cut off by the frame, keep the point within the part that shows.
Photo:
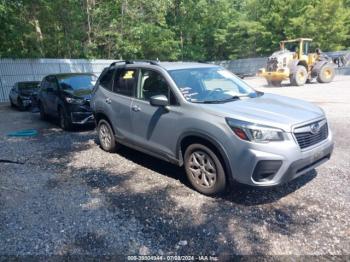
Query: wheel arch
(99,116)
(293,66)
(192,137)
(317,67)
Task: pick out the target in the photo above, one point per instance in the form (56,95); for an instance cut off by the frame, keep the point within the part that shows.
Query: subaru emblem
(315,128)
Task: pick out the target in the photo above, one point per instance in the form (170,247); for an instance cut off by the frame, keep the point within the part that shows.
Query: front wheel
(106,136)
(204,170)
(299,77)
(43,115)
(65,122)
(21,106)
(326,74)
(11,103)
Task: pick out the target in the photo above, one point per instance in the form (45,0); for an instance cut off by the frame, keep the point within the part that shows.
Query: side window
(107,79)
(153,83)
(125,81)
(52,83)
(44,84)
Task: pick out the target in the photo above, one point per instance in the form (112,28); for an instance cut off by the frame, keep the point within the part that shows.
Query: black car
(22,92)
(67,96)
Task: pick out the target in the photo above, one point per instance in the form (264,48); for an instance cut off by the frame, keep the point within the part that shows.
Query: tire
(11,103)
(64,121)
(276,83)
(299,77)
(204,170)
(106,136)
(43,115)
(326,74)
(21,107)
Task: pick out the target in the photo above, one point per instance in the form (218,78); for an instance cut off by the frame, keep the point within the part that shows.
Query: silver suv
(206,119)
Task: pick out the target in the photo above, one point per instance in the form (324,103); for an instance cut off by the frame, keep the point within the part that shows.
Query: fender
(293,65)
(207,137)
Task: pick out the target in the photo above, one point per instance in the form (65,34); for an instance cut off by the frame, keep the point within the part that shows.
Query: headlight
(77,101)
(254,132)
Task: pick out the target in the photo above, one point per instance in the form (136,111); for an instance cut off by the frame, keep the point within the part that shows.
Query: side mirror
(159,100)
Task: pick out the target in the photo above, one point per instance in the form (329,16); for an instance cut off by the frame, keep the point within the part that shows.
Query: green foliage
(167,29)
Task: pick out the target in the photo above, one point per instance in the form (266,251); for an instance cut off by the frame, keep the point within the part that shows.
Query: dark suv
(67,96)
(205,118)
(21,93)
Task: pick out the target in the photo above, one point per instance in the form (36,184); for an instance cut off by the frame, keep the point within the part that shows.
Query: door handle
(136,108)
(108,100)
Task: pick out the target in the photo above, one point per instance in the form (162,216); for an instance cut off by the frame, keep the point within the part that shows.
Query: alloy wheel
(202,168)
(105,136)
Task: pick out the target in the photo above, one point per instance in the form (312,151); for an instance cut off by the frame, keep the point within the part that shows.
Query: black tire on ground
(299,77)
(11,103)
(64,121)
(43,115)
(106,136)
(326,74)
(204,170)
(308,81)
(21,107)
(276,83)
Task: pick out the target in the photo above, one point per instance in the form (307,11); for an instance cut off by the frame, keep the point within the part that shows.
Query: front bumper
(81,118)
(270,165)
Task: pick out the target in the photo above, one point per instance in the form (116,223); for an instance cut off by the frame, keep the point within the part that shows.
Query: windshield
(28,86)
(78,82)
(292,46)
(200,85)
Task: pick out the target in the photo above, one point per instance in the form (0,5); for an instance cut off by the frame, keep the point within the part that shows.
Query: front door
(154,127)
(51,95)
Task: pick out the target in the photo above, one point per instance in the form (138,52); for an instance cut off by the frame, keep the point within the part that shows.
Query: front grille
(307,139)
(272,65)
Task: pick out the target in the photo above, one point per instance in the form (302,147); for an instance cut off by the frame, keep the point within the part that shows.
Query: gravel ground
(61,194)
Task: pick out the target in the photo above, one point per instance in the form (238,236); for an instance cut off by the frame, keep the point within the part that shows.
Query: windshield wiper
(232,98)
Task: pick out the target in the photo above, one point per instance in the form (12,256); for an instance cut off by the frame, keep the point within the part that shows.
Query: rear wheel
(65,122)
(204,170)
(299,77)
(106,136)
(326,74)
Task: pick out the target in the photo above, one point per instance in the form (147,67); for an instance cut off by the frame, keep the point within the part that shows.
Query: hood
(268,109)
(81,93)
(27,91)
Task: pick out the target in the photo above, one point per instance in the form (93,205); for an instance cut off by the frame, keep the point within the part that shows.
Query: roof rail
(128,62)
(120,61)
(152,62)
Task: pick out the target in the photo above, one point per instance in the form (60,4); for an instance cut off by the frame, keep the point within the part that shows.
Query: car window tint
(53,83)
(152,83)
(107,79)
(44,85)
(125,81)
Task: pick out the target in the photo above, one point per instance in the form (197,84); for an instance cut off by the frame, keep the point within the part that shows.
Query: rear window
(78,82)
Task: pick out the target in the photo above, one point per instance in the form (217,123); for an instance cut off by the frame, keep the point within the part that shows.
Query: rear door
(120,100)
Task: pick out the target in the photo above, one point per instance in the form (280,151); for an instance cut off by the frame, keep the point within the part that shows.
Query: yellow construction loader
(294,62)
